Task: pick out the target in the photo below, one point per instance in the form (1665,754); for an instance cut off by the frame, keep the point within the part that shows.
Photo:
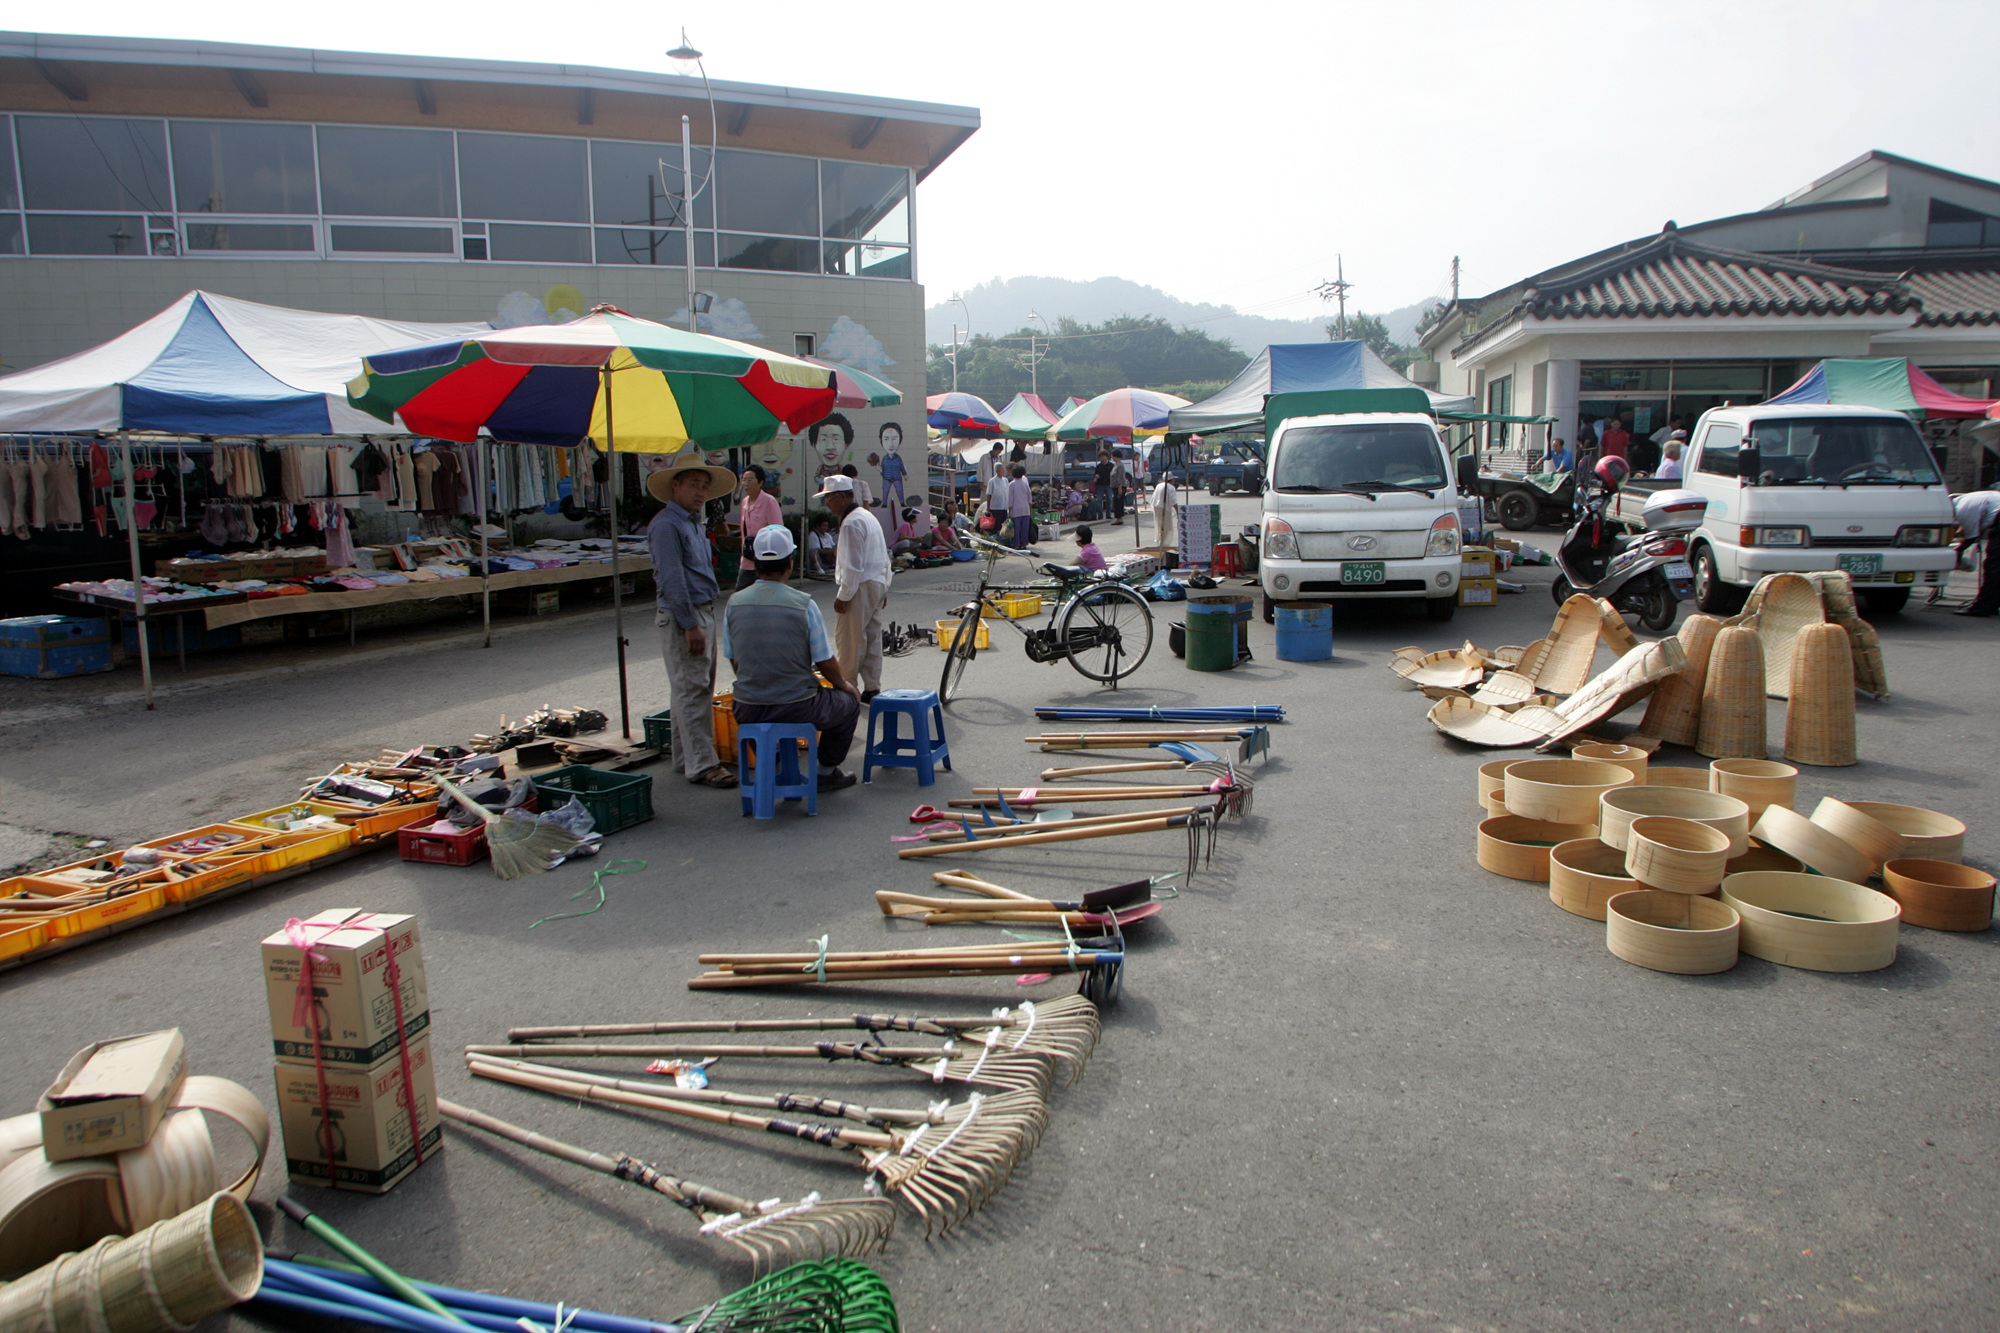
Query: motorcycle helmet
(1612,471)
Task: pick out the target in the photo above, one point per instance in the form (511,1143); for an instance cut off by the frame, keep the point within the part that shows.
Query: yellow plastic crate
(306,845)
(947,634)
(97,916)
(387,824)
(1014,606)
(17,940)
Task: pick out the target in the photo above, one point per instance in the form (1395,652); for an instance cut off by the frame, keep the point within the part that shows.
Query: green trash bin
(1211,636)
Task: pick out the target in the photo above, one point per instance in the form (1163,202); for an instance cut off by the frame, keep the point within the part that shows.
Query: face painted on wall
(892,438)
(832,442)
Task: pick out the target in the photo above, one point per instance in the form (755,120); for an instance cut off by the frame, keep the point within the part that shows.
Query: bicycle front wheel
(961,652)
(1107,630)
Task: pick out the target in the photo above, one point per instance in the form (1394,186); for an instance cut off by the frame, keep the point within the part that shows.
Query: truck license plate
(1364,571)
(1680,570)
(1861,564)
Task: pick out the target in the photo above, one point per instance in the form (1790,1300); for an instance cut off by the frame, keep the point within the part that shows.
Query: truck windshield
(1853,450)
(1357,457)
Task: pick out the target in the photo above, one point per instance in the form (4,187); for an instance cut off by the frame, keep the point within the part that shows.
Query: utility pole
(1336,290)
(1454,279)
(954,357)
(1035,358)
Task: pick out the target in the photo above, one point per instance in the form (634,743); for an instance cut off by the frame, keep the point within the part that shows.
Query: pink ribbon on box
(302,1016)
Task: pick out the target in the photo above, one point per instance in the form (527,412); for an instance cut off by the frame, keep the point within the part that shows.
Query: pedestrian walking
(1670,464)
(864,495)
(1100,484)
(860,586)
(1976,512)
(1121,481)
(1164,500)
(1020,506)
(684,575)
(758,510)
(774,638)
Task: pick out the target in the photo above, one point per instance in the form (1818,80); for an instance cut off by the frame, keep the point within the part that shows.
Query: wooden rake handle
(1059,835)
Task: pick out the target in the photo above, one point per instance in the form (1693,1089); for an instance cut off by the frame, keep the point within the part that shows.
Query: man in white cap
(774,637)
(684,574)
(860,586)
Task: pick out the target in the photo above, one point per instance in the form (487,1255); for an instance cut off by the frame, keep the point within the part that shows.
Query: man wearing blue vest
(774,636)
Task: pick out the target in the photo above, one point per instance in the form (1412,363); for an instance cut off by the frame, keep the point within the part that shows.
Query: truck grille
(1847,540)
(1388,545)
(1393,585)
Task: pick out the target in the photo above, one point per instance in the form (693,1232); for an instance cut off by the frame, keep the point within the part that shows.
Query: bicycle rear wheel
(961,652)
(1107,630)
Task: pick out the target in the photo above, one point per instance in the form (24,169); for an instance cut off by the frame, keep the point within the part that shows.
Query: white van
(1360,505)
(1800,488)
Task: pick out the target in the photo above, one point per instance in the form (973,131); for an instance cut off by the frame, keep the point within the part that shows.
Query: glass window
(86,234)
(352,238)
(1601,378)
(635,245)
(1849,450)
(631,185)
(861,202)
(251,236)
(767,193)
(868,261)
(1499,403)
(243,168)
(1954,227)
(529,177)
(1333,458)
(10,233)
(99,162)
(538,245)
(10,196)
(1719,448)
(1738,379)
(387,173)
(782,253)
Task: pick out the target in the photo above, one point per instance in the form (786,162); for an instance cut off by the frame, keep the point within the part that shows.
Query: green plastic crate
(659,729)
(615,800)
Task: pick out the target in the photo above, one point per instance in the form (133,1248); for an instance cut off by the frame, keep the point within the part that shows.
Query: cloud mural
(726,317)
(850,343)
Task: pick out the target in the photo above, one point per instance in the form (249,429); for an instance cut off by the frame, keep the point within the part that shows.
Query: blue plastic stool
(923,749)
(780,776)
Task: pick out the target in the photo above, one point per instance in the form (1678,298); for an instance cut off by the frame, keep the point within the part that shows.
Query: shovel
(1188,752)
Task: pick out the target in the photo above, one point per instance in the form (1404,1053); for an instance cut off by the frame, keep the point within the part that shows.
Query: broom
(987,1068)
(519,847)
(766,1232)
(944,1177)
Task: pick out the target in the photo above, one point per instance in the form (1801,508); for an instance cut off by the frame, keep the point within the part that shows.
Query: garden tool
(1189,753)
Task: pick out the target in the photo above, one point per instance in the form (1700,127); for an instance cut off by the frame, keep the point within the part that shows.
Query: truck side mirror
(1749,464)
(1468,473)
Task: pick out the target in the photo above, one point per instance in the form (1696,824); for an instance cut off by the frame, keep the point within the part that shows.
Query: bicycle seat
(1056,571)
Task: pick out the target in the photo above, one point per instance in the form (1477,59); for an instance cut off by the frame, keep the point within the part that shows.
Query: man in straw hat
(774,637)
(684,573)
(860,586)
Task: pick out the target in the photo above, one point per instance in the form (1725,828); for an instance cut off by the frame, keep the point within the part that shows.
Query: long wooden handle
(1032,797)
(1088,821)
(1030,839)
(895,903)
(726,959)
(1097,770)
(965,879)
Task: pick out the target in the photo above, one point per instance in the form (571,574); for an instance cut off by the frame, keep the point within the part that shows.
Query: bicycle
(1103,629)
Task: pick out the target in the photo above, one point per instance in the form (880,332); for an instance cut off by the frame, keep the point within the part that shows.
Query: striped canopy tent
(1122,414)
(857,388)
(1890,382)
(1069,405)
(1027,417)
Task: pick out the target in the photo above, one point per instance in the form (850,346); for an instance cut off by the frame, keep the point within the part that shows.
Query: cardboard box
(370,1142)
(1477,562)
(1478,592)
(351,1003)
(112,1095)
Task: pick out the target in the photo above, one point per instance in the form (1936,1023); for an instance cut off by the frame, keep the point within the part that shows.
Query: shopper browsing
(860,587)
(1976,512)
(759,510)
(1020,506)
(684,574)
(774,638)
(1164,500)
(1087,554)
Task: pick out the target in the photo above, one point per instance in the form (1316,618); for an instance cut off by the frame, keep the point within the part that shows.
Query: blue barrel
(1305,631)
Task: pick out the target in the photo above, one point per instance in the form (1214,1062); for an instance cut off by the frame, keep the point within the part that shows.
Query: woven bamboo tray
(1455,668)
(1789,604)
(1940,895)
(1819,723)
(1583,875)
(1571,648)
(1560,791)
(1625,756)
(1618,807)
(1519,848)
(1677,855)
(1755,782)
(1693,779)
(1926,833)
(1865,834)
(1732,697)
(1760,857)
(1795,835)
(1674,712)
(1811,921)
(1672,932)
(1492,797)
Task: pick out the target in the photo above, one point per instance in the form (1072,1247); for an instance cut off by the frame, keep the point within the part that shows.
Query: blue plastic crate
(52,660)
(34,631)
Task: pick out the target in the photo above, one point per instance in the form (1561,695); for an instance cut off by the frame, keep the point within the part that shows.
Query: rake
(987,1066)
(1065,1029)
(1250,741)
(767,1232)
(1099,963)
(944,1177)
(1226,713)
(1200,818)
(1122,903)
(1234,791)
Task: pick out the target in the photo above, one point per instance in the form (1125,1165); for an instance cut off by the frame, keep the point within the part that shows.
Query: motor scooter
(1645,574)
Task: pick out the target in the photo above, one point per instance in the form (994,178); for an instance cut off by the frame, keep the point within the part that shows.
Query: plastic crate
(442,849)
(615,800)
(98,916)
(34,631)
(1013,605)
(724,720)
(17,940)
(659,729)
(375,827)
(317,843)
(51,661)
(947,634)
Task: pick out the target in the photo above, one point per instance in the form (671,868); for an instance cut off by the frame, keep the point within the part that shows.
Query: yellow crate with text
(1013,605)
(1478,592)
(947,634)
(323,842)
(16,940)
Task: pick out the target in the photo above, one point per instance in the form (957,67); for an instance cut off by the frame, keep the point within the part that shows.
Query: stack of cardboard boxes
(345,1109)
(1478,576)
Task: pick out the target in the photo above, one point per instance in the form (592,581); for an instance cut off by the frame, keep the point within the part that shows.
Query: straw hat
(660,484)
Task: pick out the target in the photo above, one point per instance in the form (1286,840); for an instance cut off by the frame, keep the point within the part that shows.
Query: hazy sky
(1227,152)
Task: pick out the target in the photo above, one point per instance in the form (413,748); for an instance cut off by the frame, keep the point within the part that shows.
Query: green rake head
(830,1296)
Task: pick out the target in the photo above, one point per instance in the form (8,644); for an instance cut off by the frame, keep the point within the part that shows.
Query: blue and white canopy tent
(1299,368)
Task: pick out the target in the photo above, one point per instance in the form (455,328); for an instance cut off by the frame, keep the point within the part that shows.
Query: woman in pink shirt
(1087,553)
(758,511)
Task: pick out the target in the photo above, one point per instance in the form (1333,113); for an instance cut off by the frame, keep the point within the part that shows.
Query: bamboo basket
(1625,756)
(1819,722)
(1672,932)
(1927,834)
(1732,697)
(1492,797)
(1693,779)
(1836,591)
(1760,857)
(1506,655)
(1618,807)
(1674,712)
(1819,850)
(1677,855)
(1571,647)
(1789,606)
(1865,645)
(1865,834)
(1560,791)
(1519,848)
(1755,782)
(1940,895)
(1811,921)
(1583,875)
(1613,632)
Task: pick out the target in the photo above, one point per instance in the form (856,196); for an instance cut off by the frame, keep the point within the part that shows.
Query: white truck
(1797,489)
(1358,504)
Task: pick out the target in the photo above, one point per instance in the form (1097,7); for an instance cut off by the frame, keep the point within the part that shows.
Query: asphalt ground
(1355,1081)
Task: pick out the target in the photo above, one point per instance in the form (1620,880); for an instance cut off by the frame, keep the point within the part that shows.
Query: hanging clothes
(312,470)
(291,475)
(339,541)
(340,470)
(426,466)
(406,478)
(448,482)
(65,500)
(7,501)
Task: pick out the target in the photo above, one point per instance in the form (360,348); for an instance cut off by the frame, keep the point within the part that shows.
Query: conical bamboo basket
(1583,875)
(1927,834)
(1796,836)
(1790,604)
(1560,791)
(1519,848)
(1625,756)
(1811,921)
(1674,712)
(1940,895)
(1819,723)
(1672,932)
(1870,673)
(1755,782)
(1618,807)
(1732,697)
(1876,841)
(1677,855)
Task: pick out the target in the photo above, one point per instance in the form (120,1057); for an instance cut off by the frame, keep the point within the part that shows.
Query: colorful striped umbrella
(628,383)
(962,414)
(855,388)
(1118,415)
(1027,417)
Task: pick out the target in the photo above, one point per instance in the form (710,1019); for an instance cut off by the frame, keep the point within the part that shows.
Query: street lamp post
(1034,379)
(688,61)
(960,303)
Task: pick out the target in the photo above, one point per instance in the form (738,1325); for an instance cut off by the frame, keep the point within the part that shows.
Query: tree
(1371,330)
(1084,360)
